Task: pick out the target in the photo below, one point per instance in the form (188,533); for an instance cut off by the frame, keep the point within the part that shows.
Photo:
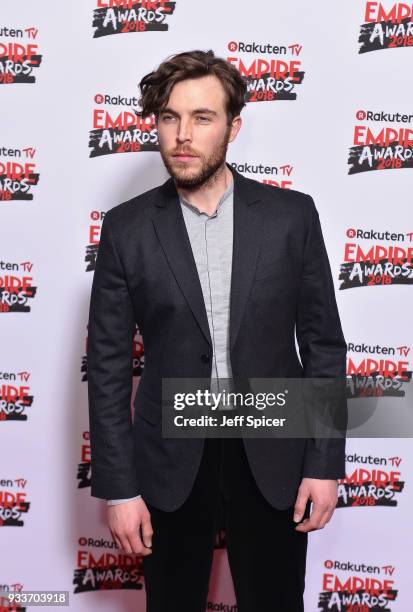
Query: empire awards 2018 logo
(15,396)
(386,28)
(17,174)
(387,147)
(119,130)
(268,78)
(124,16)
(16,286)
(100,565)
(357,586)
(14,505)
(84,467)
(94,230)
(373,481)
(374,370)
(378,262)
(19,60)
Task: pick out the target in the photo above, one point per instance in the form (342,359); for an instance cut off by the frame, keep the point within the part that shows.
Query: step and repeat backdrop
(329,113)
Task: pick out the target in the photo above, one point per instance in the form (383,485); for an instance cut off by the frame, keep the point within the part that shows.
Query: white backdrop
(58,175)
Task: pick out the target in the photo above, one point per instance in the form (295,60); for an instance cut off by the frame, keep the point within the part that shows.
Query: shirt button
(205,358)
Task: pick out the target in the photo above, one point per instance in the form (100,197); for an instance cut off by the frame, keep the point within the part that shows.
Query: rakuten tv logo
(13,502)
(120,131)
(277,176)
(357,586)
(125,16)
(17,177)
(375,263)
(253,47)
(15,396)
(16,286)
(386,28)
(378,484)
(269,79)
(98,570)
(18,61)
(383,148)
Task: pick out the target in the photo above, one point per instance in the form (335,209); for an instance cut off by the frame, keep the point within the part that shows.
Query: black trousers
(266,555)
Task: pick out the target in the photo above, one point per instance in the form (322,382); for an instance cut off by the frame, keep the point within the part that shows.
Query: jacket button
(205,358)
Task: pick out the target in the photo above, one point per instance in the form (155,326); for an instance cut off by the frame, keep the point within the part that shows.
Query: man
(219,272)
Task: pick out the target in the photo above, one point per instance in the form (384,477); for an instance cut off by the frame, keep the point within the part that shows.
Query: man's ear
(235,128)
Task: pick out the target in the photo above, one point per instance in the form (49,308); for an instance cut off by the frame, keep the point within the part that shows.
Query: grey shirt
(211,239)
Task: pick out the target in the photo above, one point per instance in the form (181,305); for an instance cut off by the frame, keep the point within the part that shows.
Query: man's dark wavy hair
(156,86)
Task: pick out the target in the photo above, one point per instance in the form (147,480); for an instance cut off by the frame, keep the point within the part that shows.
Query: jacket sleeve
(322,346)
(111,330)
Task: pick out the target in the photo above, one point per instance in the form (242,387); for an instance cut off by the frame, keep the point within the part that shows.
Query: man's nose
(184,131)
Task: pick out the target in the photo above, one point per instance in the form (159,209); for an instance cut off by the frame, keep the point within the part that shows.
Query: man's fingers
(307,525)
(147,531)
(131,543)
(314,519)
(300,505)
(136,544)
(124,543)
(319,516)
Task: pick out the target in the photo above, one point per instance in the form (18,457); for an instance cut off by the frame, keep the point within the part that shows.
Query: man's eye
(167,117)
(204,118)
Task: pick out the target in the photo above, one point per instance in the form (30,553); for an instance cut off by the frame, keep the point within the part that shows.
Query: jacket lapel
(247,239)
(171,231)
(170,228)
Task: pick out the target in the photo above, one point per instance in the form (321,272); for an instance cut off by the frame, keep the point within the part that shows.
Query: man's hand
(124,522)
(323,494)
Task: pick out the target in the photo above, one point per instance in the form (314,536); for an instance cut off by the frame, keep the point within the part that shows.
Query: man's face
(193,131)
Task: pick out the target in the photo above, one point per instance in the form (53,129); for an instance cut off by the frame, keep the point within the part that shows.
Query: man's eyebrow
(196,111)
(205,111)
(168,110)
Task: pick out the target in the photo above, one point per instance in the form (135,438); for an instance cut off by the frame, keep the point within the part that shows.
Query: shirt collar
(225,196)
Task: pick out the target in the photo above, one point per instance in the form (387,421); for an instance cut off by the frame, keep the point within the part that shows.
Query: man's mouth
(184,156)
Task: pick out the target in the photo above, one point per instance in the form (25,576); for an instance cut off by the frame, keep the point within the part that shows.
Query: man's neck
(206,196)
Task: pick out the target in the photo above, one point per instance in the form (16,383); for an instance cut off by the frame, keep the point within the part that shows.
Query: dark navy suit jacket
(145,274)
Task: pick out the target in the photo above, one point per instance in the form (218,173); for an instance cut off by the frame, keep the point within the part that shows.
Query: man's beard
(186,178)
